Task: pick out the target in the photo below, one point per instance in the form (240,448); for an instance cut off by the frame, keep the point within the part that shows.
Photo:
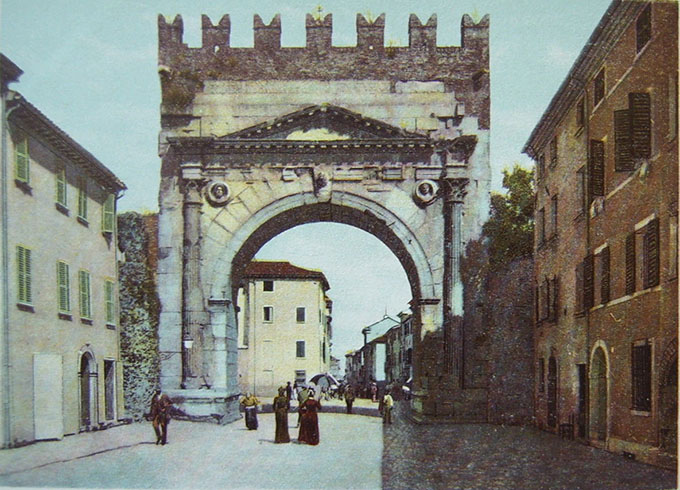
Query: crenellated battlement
(462,69)
(370,34)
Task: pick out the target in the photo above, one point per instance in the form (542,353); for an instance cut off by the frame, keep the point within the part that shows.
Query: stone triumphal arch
(393,140)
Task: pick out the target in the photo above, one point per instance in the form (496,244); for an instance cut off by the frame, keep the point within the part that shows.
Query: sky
(91,67)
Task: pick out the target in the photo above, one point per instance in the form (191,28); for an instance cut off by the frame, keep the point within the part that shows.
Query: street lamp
(187,343)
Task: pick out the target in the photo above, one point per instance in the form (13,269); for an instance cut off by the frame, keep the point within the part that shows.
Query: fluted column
(453,287)
(192,294)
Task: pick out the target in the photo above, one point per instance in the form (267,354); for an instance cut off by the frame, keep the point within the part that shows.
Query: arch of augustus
(254,141)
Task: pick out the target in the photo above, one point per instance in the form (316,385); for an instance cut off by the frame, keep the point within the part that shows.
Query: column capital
(455,189)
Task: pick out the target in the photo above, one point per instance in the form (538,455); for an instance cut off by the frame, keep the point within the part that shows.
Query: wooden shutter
(63,287)
(630,263)
(21,161)
(639,106)
(84,286)
(651,254)
(110,303)
(82,199)
(588,282)
(554,299)
(61,187)
(108,214)
(24,275)
(596,170)
(546,299)
(579,288)
(642,377)
(604,276)
(623,160)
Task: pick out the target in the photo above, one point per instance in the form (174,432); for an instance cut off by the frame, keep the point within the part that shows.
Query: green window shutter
(21,161)
(84,287)
(596,169)
(61,187)
(24,275)
(63,287)
(639,106)
(82,199)
(108,214)
(623,158)
(110,303)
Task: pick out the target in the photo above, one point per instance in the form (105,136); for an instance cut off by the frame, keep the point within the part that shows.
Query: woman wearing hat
(280,406)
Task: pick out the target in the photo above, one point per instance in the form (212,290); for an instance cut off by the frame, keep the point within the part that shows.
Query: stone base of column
(216,406)
(441,403)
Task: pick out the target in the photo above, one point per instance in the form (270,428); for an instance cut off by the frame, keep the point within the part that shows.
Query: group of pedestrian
(308,408)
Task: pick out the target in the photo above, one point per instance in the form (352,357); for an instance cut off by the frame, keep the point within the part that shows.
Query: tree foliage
(139,315)
(510,228)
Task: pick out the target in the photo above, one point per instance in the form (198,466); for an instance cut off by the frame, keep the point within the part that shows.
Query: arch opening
(598,395)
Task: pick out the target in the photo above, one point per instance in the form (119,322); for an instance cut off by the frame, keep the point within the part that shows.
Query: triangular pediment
(323,123)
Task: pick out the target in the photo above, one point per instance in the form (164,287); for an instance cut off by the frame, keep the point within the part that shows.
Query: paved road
(206,456)
(355,452)
(490,457)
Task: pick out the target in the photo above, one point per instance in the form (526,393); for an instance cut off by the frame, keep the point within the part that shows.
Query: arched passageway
(598,395)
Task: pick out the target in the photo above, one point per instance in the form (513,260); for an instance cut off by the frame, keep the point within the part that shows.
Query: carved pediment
(323,123)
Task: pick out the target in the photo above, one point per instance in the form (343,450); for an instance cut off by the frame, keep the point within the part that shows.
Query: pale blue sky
(90,66)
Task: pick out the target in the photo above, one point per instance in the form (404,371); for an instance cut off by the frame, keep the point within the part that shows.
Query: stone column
(192,294)
(453,287)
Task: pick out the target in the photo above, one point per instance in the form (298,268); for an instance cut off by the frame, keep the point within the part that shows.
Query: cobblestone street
(490,457)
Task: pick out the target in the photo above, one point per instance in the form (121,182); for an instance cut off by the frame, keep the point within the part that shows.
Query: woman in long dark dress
(250,403)
(309,425)
(280,406)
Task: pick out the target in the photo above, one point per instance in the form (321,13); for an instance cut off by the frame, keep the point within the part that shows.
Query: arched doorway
(552,392)
(598,395)
(668,400)
(87,376)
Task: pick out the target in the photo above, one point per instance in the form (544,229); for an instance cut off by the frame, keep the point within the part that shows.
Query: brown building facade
(606,152)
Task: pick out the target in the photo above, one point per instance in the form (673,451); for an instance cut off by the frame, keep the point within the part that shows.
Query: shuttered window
(623,159)
(650,255)
(109,295)
(546,300)
(85,299)
(300,348)
(642,377)
(639,106)
(598,87)
(109,214)
(554,299)
(541,226)
(579,306)
(630,263)
(643,28)
(300,314)
(82,199)
(553,151)
(536,304)
(596,168)
(580,113)
(21,161)
(541,375)
(61,197)
(24,286)
(588,282)
(553,216)
(604,276)
(268,314)
(63,288)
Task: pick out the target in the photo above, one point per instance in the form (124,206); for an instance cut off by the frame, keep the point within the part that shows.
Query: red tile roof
(262,269)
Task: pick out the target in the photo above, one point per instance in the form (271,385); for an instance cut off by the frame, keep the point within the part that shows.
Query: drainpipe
(586,129)
(6,385)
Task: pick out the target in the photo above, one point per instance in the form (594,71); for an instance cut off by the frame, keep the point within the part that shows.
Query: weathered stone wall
(498,332)
(139,311)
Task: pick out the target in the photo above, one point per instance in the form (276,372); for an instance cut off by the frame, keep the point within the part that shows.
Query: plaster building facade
(284,329)
(60,357)
(254,141)
(399,345)
(606,153)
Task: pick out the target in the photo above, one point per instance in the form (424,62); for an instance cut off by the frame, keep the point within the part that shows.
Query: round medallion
(217,193)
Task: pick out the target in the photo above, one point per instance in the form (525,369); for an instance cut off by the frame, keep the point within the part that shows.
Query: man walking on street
(349,398)
(387,404)
(160,416)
